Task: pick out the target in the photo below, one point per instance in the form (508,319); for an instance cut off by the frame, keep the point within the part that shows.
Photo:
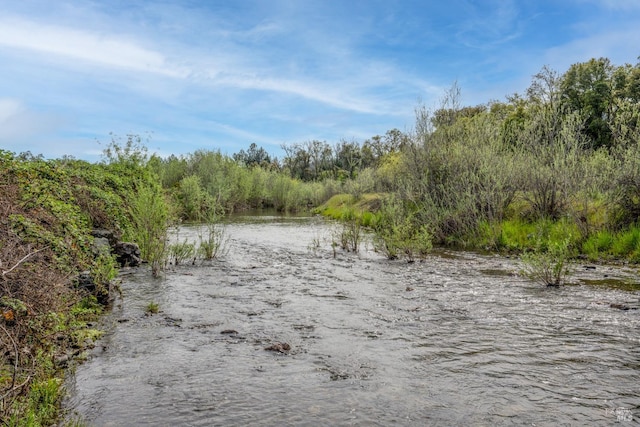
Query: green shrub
(181,252)
(627,244)
(150,218)
(104,269)
(548,263)
(351,232)
(598,244)
(397,232)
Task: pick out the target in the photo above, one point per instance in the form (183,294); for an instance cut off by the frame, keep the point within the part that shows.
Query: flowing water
(458,339)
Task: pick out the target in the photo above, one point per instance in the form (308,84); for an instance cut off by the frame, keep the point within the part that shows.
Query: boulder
(101,233)
(127,254)
(103,294)
(101,245)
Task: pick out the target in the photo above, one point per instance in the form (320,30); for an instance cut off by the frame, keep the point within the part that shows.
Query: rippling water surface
(458,339)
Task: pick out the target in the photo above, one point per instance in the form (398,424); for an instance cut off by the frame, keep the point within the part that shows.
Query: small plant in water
(152,308)
(351,233)
(181,252)
(212,236)
(315,244)
(548,266)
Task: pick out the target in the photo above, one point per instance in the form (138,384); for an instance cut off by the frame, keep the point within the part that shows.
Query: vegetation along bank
(553,174)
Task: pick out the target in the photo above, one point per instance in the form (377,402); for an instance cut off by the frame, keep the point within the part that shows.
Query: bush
(181,252)
(351,233)
(150,218)
(548,264)
(397,233)
(212,237)
(627,244)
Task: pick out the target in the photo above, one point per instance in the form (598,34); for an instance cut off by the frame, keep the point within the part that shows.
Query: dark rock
(127,254)
(85,281)
(100,246)
(62,361)
(103,294)
(110,235)
(279,347)
(619,306)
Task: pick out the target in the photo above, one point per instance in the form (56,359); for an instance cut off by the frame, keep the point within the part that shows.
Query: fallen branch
(14,388)
(26,257)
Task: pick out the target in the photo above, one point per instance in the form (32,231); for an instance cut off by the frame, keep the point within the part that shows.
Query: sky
(186,75)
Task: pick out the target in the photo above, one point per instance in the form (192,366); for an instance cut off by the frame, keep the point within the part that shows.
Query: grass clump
(152,308)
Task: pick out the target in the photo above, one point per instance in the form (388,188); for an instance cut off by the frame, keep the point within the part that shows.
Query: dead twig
(26,257)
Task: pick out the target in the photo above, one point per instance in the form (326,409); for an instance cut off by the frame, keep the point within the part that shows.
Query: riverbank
(514,234)
(57,272)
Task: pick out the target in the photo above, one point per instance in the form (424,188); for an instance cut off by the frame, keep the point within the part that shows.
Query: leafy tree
(254,156)
(587,88)
(348,159)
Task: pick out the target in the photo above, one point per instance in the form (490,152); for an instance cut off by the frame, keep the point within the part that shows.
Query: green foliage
(150,219)
(192,198)
(212,238)
(131,154)
(104,270)
(624,194)
(152,308)
(627,244)
(205,179)
(86,309)
(43,401)
(181,251)
(548,263)
(49,210)
(397,233)
(598,245)
(350,234)
(254,156)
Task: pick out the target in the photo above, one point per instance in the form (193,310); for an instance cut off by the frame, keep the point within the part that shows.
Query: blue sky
(223,74)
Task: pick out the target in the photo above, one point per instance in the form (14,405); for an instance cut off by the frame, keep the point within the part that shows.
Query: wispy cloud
(101,49)
(488,25)
(18,123)
(612,43)
(224,74)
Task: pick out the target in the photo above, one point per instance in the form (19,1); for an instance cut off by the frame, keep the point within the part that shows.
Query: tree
(586,88)
(254,156)
(348,158)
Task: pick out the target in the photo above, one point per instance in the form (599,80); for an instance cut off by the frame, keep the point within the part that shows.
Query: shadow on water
(279,332)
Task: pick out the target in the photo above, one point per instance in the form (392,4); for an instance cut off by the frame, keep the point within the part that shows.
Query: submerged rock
(279,347)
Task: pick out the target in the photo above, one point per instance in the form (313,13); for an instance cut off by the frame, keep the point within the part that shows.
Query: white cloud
(105,50)
(8,109)
(612,44)
(18,123)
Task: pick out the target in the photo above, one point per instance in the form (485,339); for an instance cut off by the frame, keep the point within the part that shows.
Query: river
(279,331)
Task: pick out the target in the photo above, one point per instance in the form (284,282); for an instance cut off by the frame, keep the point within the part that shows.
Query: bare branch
(4,273)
